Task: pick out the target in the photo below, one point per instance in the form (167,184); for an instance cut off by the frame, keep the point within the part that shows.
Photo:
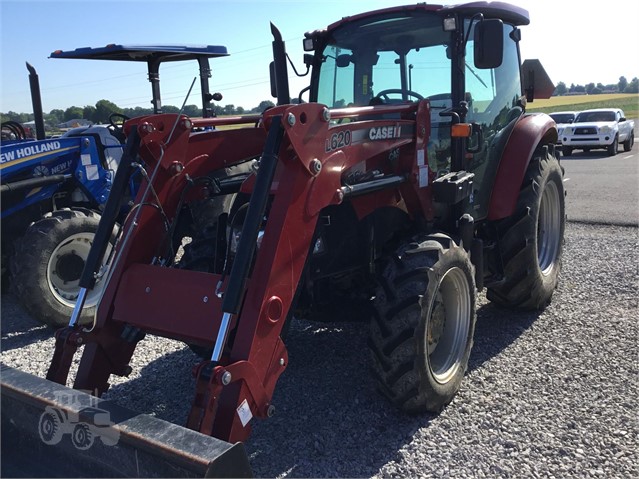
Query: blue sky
(576,44)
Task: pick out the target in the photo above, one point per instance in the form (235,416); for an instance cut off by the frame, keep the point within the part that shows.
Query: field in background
(628,102)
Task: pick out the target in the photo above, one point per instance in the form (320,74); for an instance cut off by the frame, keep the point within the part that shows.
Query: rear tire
(50,428)
(531,241)
(422,330)
(48,262)
(627,145)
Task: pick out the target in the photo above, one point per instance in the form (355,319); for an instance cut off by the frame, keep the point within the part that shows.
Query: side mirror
(343,60)
(489,43)
(536,82)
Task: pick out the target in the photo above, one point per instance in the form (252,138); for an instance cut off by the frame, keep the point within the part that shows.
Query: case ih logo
(84,425)
(385,132)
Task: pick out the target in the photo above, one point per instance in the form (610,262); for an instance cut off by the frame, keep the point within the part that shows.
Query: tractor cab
(464,60)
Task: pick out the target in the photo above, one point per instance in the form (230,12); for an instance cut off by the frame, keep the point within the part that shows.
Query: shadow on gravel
(329,419)
(164,388)
(18,329)
(495,330)
(327,408)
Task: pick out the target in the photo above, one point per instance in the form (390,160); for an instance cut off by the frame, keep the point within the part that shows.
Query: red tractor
(410,179)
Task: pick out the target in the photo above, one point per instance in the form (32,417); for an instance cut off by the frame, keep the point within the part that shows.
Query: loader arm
(241,315)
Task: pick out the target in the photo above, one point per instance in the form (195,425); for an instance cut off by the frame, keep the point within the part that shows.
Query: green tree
(561,89)
(137,112)
(633,86)
(192,111)
(623,83)
(13,116)
(54,117)
(589,88)
(104,109)
(73,113)
(263,106)
(228,110)
(88,113)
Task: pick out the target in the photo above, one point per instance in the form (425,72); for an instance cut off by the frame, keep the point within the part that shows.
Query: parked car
(563,119)
(600,128)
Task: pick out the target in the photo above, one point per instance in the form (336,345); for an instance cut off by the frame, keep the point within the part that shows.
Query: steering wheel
(118,128)
(383,95)
(113,117)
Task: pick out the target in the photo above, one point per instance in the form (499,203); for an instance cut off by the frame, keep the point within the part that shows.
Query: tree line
(622,86)
(99,114)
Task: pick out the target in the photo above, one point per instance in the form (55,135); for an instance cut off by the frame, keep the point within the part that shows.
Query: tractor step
(49,430)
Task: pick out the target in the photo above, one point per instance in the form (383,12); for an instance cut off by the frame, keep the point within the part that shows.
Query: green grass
(629,103)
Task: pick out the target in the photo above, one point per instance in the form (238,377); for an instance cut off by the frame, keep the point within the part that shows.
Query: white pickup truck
(601,128)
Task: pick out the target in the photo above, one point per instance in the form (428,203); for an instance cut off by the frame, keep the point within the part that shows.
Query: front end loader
(411,179)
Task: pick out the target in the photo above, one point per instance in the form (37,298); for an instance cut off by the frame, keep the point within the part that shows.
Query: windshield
(383,60)
(563,117)
(588,116)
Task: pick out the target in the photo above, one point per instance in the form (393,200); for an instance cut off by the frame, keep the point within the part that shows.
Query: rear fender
(529,132)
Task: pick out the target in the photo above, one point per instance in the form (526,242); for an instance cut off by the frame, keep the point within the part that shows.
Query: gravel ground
(546,395)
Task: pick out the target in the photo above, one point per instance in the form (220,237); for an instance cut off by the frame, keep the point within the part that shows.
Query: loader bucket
(49,430)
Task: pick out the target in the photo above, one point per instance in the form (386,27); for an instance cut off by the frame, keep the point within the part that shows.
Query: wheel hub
(548,229)
(436,324)
(69,266)
(448,325)
(65,269)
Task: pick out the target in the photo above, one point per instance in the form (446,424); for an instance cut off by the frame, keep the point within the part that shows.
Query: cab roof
(505,11)
(143,53)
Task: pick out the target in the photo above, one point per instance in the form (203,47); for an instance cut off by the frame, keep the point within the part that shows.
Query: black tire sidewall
(524,285)
(550,174)
(398,333)
(31,281)
(442,393)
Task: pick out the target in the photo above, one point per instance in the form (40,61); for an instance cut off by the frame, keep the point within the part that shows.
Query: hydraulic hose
(111,211)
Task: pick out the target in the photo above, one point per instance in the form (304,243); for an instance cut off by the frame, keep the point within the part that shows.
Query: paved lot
(602,188)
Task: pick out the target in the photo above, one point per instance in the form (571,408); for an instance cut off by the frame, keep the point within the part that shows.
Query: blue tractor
(54,189)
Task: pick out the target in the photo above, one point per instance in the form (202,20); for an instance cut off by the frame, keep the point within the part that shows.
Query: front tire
(531,241)
(82,437)
(566,150)
(613,148)
(422,330)
(48,262)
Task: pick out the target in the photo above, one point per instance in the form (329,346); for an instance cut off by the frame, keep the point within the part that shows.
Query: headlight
(605,129)
(568,130)
(560,130)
